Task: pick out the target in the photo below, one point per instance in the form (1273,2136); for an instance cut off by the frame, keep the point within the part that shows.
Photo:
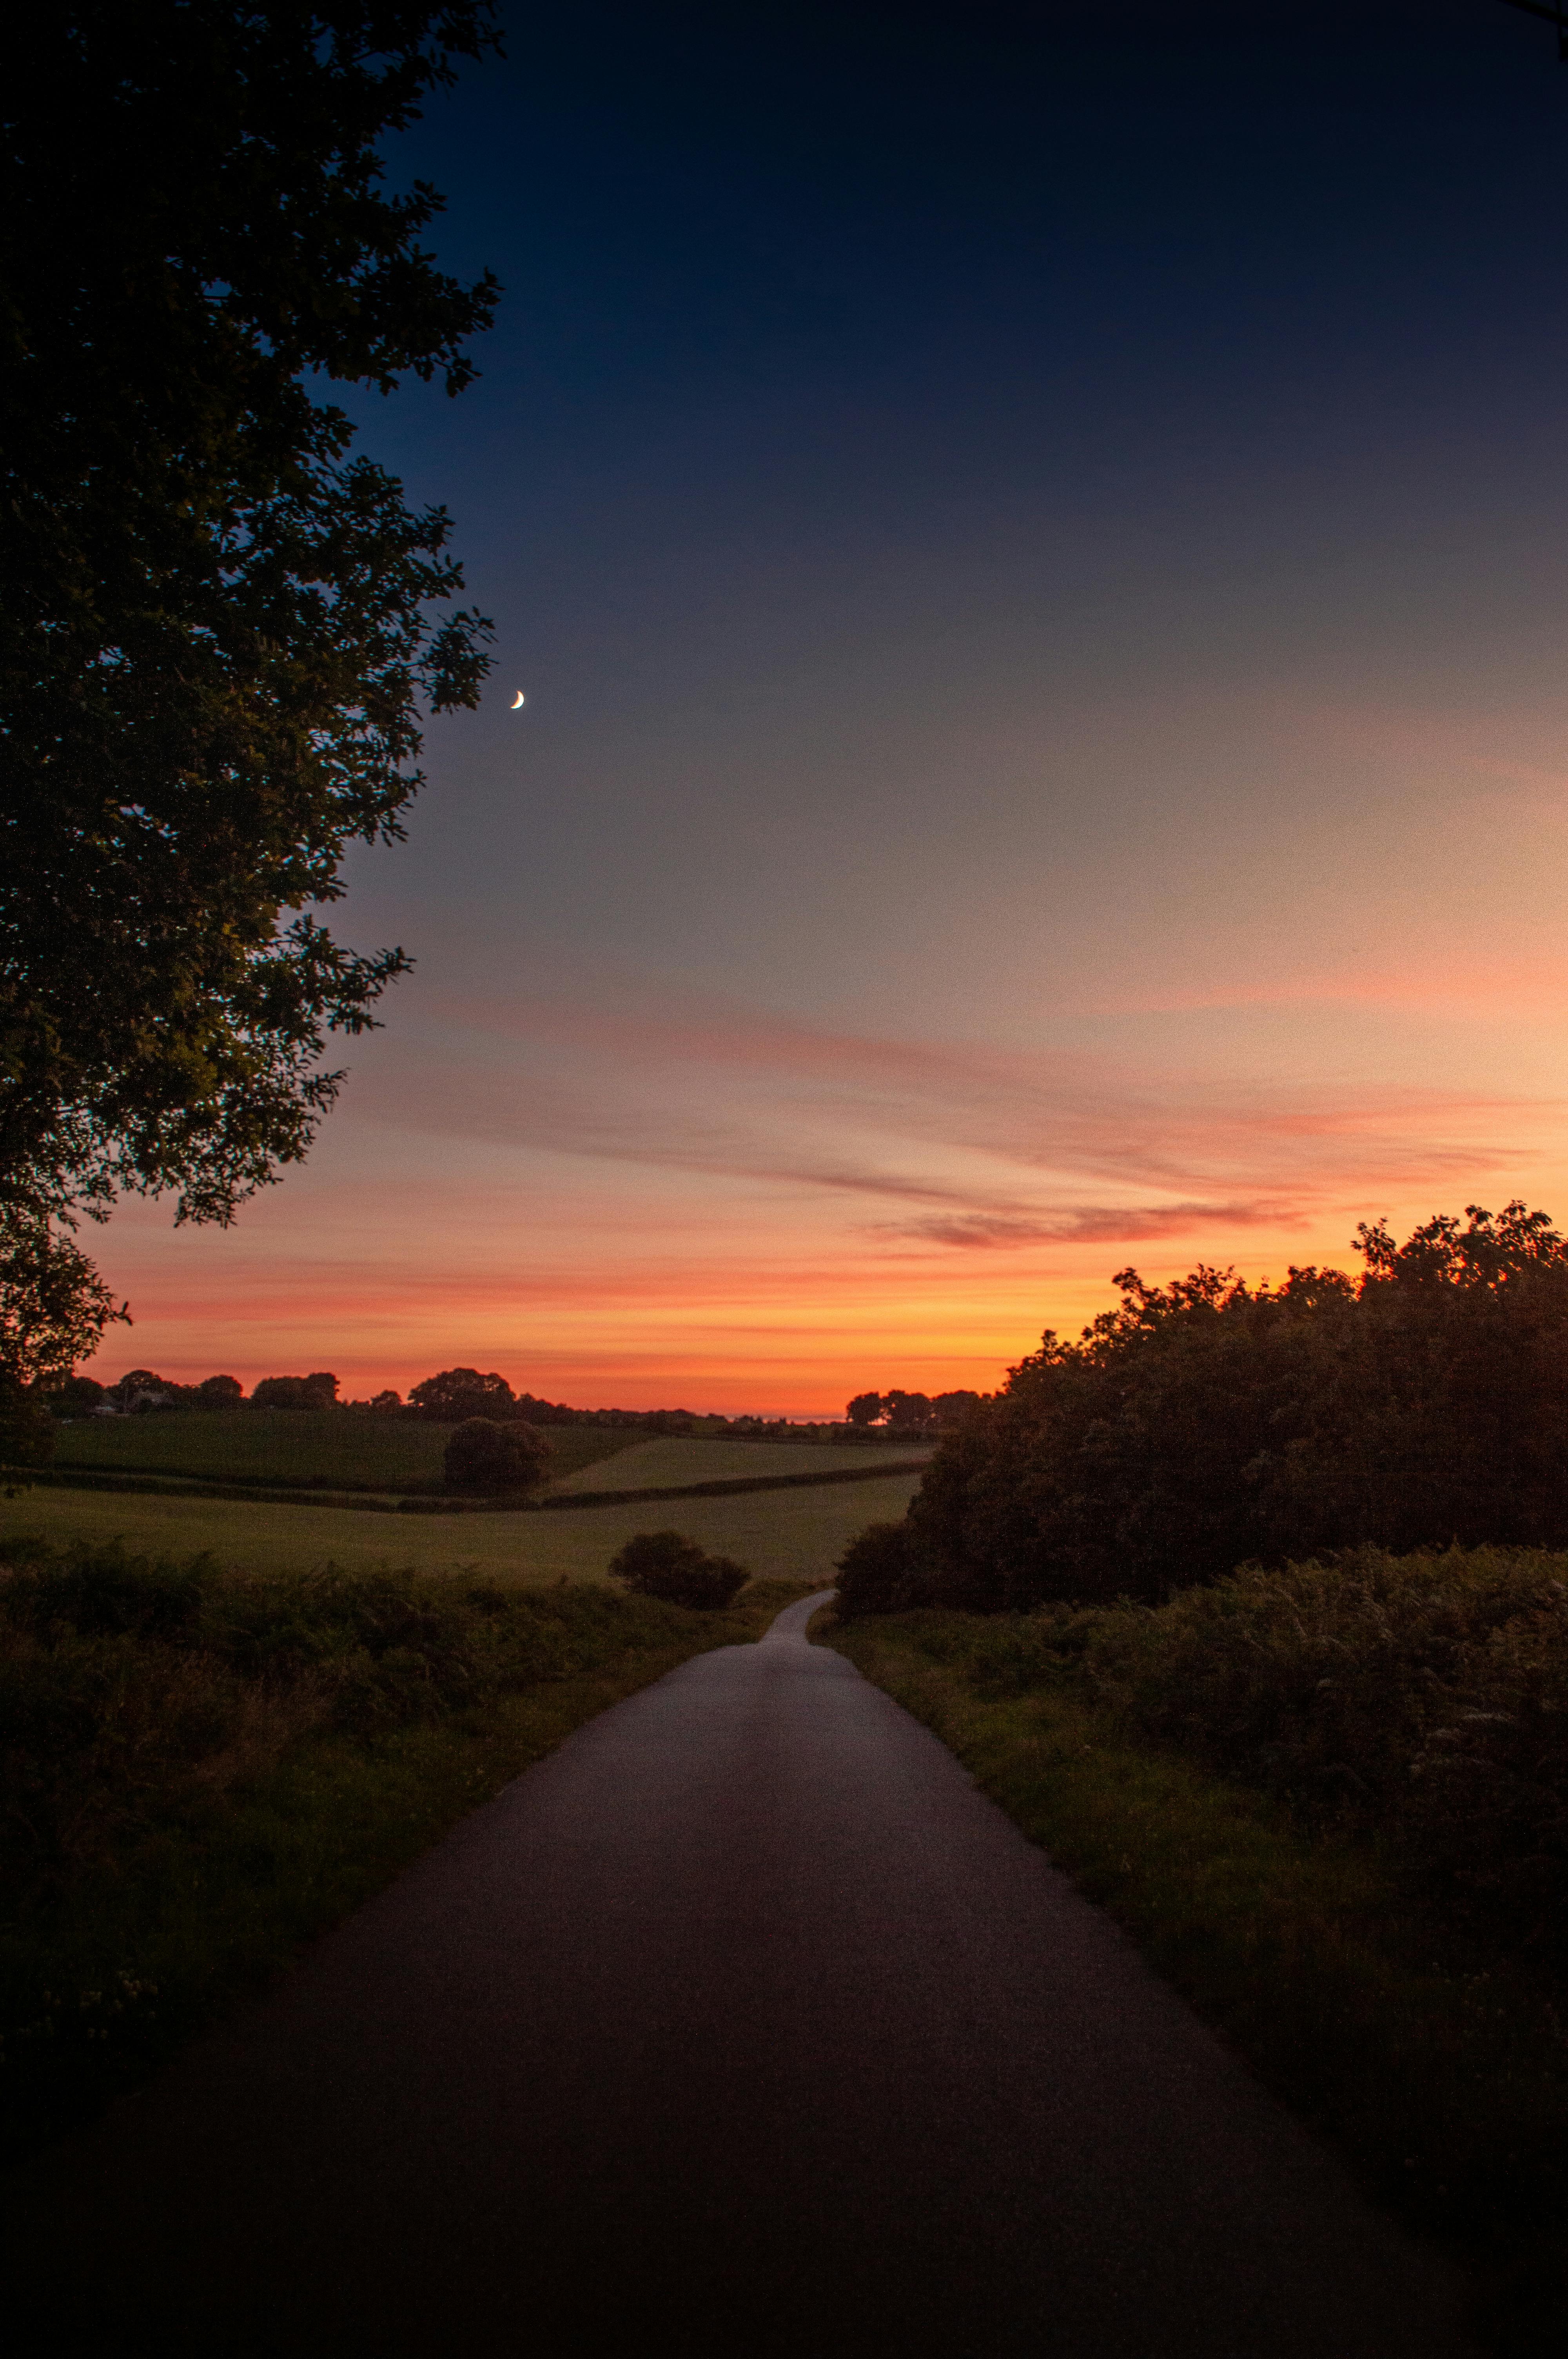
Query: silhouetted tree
(318,1391)
(908,1412)
(460,1393)
(864,1410)
(217,632)
(54,1307)
(495,1459)
(218,1392)
(1203,1424)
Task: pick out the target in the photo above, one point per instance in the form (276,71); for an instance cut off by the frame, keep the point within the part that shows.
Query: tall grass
(1423,1699)
(199,1768)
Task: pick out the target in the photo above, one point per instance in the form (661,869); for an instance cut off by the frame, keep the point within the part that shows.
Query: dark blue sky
(1035,543)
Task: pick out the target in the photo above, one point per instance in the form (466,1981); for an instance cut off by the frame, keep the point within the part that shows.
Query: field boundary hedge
(386,1503)
(1436,2061)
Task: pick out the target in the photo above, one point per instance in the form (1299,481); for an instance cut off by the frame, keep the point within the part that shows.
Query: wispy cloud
(964,1148)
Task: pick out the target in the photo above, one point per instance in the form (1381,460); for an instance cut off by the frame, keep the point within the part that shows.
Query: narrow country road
(742,2024)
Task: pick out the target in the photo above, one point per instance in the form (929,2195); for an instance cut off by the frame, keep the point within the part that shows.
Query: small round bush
(495,1459)
(875,1572)
(669,1566)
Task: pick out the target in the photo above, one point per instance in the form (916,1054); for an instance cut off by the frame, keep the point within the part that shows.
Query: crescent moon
(518,701)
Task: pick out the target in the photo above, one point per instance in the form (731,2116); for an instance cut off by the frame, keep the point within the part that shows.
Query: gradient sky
(1037,543)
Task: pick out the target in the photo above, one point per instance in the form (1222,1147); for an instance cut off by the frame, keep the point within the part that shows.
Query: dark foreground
(744,2024)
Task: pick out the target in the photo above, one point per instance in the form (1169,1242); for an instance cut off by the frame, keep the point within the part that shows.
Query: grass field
(781,1534)
(672,1461)
(315,1446)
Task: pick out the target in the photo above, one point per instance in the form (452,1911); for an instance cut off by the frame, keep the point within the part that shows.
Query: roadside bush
(495,1461)
(1420,1698)
(137,1692)
(668,1566)
(459,1394)
(876,1572)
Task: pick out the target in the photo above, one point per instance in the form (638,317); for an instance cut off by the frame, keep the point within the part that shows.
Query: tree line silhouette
(1207,1424)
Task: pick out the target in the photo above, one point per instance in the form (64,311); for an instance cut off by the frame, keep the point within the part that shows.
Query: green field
(328,1446)
(781,1534)
(671,1461)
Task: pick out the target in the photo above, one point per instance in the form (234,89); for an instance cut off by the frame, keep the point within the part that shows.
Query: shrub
(1207,1424)
(1422,1700)
(876,1572)
(495,1459)
(668,1566)
(26,1429)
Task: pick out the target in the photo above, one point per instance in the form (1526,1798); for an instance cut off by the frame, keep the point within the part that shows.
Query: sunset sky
(1036,544)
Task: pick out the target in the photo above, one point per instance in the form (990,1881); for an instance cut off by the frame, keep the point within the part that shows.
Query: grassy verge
(201,1771)
(1438,2065)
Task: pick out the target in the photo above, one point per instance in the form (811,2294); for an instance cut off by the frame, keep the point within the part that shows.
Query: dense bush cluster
(668,1566)
(133,1692)
(1207,1425)
(1424,1698)
(495,1461)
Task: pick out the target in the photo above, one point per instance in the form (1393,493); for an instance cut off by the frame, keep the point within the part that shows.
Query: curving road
(741,2024)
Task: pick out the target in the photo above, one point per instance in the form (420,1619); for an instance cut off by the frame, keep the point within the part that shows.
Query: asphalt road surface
(745,2023)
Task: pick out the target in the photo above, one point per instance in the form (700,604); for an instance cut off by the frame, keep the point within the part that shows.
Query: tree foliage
(876,1572)
(218,633)
(458,1393)
(1206,1424)
(54,1307)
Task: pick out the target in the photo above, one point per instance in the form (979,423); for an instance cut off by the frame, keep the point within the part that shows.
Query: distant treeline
(456,1395)
(1207,1425)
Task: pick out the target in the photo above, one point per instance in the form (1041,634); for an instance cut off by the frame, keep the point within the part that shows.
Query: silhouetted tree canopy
(54,1307)
(217,632)
(951,1408)
(1206,1424)
(907,1412)
(865,1408)
(460,1393)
